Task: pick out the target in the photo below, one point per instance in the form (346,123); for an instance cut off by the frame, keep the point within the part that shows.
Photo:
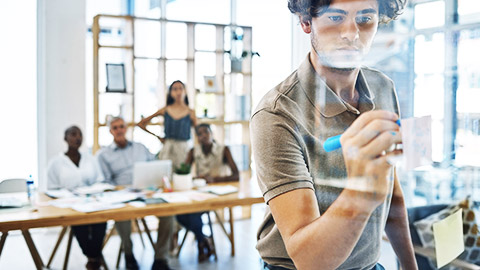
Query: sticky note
(417,141)
(448,235)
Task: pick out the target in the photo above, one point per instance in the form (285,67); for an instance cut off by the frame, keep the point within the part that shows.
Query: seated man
(70,170)
(116,162)
(214,163)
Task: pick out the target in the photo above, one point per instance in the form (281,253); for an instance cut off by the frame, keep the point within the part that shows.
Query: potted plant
(182,178)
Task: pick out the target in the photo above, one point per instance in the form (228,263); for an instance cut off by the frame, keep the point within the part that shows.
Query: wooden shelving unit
(228,45)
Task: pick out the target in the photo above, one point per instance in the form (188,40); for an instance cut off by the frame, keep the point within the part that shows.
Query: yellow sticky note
(448,234)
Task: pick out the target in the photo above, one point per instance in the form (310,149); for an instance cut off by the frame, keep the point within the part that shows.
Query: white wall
(18,126)
(61,75)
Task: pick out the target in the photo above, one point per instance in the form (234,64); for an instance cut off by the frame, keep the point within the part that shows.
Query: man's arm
(398,231)
(312,240)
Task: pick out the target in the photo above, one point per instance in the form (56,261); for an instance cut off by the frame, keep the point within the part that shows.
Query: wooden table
(47,216)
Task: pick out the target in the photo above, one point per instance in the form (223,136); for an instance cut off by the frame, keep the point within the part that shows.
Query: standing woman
(71,170)
(178,120)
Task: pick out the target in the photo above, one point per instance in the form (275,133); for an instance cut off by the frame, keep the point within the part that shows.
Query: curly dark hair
(388,9)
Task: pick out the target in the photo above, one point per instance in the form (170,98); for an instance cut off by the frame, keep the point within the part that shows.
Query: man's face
(118,130)
(343,34)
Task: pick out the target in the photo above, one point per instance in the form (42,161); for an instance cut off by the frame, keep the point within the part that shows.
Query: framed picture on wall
(116,78)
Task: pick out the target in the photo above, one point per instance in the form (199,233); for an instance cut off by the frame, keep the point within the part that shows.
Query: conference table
(47,215)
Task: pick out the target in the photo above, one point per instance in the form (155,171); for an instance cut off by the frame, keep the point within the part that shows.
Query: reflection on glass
(431,14)
(176,40)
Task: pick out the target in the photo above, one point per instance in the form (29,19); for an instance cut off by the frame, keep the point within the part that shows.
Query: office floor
(16,255)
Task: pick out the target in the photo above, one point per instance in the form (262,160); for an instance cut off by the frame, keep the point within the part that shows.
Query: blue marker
(333,143)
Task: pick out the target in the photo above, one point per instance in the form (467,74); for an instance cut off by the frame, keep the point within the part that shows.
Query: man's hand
(365,144)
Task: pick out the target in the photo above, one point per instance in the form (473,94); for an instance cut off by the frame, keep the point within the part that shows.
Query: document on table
(94,189)
(448,234)
(183,196)
(117,197)
(96,206)
(219,190)
(59,193)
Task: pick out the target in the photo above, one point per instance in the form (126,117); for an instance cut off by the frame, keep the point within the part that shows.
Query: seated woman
(71,170)
(214,163)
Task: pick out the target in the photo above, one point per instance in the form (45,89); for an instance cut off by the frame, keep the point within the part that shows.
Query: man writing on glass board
(329,210)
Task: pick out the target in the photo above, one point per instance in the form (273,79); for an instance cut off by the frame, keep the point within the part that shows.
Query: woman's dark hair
(387,9)
(71,129)
(204,125)
(170,99)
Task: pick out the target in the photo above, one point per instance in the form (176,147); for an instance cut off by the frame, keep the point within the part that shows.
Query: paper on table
(59,193)
(95,207)
(448,234)
(69,202)
(117,197)
(417,141)
(93,189)
(219,190)
(184,196)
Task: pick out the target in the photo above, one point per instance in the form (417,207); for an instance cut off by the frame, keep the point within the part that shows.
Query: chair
(177,253)
(422,254)
(13,185)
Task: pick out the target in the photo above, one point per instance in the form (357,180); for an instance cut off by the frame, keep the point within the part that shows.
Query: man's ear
(306,25)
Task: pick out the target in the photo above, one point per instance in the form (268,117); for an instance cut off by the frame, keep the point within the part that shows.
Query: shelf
(116,47)
(134,124)
(162,58)
(123,93)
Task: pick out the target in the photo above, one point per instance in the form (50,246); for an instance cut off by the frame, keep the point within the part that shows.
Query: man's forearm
(398,233)
(331,237)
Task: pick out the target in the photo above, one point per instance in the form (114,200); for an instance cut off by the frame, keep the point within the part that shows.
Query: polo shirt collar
(115,147)
(324,99)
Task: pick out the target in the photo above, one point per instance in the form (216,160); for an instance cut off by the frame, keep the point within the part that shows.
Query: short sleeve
(280,162)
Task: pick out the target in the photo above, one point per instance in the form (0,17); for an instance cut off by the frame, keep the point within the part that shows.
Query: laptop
(149,174)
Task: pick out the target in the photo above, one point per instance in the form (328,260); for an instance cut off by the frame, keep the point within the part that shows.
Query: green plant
(183,169)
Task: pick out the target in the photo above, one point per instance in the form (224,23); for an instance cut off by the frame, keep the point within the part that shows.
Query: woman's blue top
(177,129)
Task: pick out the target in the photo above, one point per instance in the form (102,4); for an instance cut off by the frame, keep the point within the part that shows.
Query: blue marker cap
(333,143)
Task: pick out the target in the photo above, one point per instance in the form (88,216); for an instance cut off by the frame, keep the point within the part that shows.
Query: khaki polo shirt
(288,129)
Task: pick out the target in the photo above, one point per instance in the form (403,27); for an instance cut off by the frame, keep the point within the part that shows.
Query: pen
(333,143)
